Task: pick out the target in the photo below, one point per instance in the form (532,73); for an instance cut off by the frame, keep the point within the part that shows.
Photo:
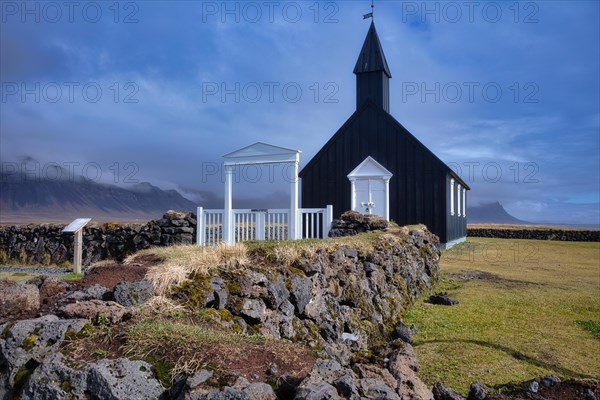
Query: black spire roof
(371,56)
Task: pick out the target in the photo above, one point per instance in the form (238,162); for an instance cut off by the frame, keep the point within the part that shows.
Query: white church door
(370,188)
(370,196)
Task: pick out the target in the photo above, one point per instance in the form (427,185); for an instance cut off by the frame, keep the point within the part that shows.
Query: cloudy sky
(506,93)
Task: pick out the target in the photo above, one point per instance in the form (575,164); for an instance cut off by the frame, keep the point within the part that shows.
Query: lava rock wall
(47,245)
(536,234)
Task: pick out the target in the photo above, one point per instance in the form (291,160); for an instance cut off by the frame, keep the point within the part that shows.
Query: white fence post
(200,226)
(327,220)
(293,231)
(260,225)
(228,217)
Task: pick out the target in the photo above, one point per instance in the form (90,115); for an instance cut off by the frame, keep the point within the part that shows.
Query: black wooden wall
(374,86)
(418,190)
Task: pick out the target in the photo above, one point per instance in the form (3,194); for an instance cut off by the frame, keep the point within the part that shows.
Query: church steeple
(372,73)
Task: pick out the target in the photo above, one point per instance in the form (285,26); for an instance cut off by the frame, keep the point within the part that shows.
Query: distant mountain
(491,213)
(64,200)
(25,201)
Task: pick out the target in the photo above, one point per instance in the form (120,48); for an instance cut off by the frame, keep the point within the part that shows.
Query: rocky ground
(320,328)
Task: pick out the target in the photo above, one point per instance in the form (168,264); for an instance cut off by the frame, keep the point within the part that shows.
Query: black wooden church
(374,165)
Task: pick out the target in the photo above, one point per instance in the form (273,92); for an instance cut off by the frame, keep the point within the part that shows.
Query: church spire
(372,72)
(371,56)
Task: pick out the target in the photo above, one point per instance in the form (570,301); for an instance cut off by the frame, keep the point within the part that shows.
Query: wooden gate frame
(260,153)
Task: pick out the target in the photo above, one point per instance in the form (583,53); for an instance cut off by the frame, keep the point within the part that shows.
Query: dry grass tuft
(179,342)
(363,243)
(184,260)
(160,306)
(163,276)
(287,252)
(286,255)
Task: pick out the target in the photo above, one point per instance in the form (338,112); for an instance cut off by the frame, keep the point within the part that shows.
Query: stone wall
(345,299)
(536,234)
(339,289)
(352,223)
(46,244)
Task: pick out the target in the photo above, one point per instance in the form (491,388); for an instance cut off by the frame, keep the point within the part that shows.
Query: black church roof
(382,115)
(371,58)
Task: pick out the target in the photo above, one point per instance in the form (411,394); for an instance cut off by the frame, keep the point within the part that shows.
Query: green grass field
(527,308)
(16,276)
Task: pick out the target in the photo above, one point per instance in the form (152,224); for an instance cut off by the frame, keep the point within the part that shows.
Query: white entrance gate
(370,188)
(260,154)
(231,226)
(271,224)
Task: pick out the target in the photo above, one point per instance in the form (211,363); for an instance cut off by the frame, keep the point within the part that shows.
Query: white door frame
(370,170)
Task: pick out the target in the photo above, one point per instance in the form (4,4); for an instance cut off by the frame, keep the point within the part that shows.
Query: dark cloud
(25,57)
(173,133)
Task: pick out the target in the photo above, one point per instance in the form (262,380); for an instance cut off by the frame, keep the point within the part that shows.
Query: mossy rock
(296,271)
(163,370)
(4,333)
(29,342)
(362,356)
(86,331)
(65,386)
(214,314)
(22,374)
(112,225)
(237,328)
(254,329)
(196,291)
(233,287)
(354,294)
(235,304)
(22,257)
(306,331)
(398,343)
(47,260)
(3,257)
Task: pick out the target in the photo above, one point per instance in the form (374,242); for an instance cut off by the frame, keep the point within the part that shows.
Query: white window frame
(458,206)
(452,196)
(464,203)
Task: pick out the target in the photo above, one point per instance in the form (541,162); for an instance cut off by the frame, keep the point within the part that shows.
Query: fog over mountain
(61,200)
(59,196)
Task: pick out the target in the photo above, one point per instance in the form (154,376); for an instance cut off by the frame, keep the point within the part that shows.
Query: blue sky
(506,93)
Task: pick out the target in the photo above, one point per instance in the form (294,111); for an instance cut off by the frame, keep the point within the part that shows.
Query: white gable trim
(262,153)
(370,168)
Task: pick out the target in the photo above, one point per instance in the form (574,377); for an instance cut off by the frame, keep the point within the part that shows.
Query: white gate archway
(260,154)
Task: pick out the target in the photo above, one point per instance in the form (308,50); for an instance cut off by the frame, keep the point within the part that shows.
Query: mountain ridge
(491,213)
(35,201)
(63,200)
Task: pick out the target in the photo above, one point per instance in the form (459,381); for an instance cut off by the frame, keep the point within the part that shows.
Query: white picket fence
(267,224)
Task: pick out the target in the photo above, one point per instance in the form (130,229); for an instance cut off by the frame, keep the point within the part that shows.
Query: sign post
(76,227)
